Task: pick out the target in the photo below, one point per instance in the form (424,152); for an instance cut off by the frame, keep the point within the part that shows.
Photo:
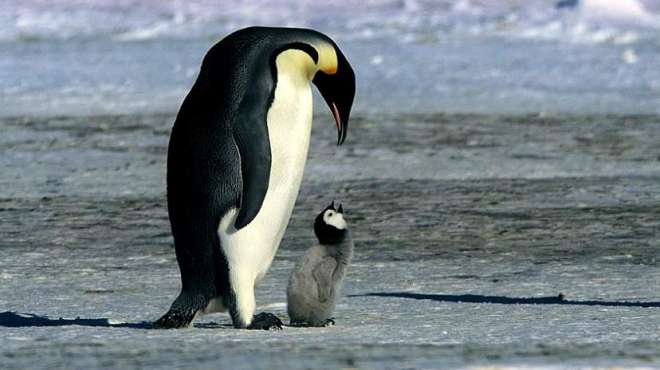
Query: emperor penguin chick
(316,279)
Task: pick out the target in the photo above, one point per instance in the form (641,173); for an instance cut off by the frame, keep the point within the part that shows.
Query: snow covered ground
(72,57)
(467,227)
(523,233)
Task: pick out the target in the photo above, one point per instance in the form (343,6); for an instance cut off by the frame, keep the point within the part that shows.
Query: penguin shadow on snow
(476,298)
(11,319)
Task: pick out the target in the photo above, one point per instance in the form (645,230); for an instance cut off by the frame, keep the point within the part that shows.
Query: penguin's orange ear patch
(330,70)
(327,59)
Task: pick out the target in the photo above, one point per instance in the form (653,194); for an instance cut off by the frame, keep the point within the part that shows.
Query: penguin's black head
(337,86)
(330,226)
(325,65)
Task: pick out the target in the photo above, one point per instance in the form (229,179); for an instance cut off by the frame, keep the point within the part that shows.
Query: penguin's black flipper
(251,136)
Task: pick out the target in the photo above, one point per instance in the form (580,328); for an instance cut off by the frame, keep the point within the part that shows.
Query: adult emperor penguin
(235,162)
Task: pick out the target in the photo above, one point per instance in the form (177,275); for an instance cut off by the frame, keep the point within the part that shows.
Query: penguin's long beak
(338,90)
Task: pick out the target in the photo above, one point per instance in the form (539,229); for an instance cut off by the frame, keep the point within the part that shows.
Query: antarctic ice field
(501,176)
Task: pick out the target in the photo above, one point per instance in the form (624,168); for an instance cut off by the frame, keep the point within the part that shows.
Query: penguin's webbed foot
(266,321)
(323,324)
(305,324)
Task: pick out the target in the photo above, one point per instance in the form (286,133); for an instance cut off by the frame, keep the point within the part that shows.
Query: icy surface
(461,222)
(513,235)
(136,56)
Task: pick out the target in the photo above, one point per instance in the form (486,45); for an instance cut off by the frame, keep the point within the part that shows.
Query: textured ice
(139,20)
(486,239)
(136,56)
(459,262)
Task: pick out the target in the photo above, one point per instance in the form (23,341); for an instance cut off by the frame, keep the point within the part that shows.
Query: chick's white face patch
(335,219)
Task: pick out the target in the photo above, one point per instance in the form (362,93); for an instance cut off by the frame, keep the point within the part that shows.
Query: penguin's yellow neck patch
(298,61)
(295,62)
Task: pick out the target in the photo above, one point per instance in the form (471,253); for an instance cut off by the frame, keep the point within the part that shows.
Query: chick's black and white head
(330,226)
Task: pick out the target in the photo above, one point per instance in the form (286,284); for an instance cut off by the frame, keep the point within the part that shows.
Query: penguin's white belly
(250,251)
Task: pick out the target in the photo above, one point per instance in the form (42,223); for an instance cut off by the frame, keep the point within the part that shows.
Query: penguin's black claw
(266,321)
(173,320)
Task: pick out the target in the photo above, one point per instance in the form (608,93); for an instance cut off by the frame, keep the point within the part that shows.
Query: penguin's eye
(330,213)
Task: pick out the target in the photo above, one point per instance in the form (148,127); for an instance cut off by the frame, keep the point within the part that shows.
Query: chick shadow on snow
(12,319)
(476,298)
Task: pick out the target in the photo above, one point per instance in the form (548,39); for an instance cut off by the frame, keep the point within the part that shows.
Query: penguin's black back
(231,95)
